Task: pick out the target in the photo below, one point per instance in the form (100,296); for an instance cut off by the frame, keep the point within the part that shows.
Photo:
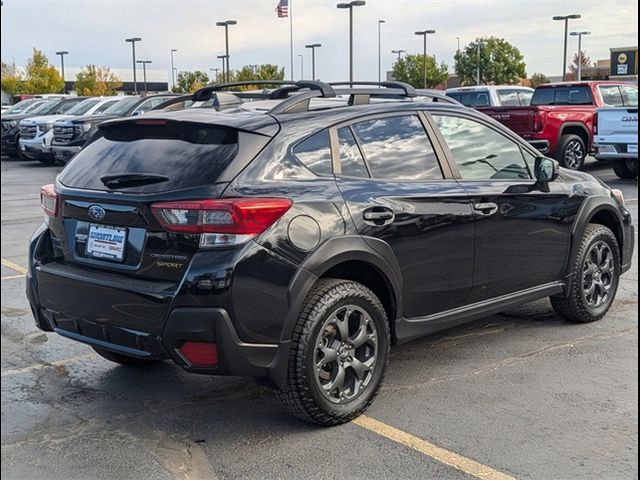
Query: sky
(93,31)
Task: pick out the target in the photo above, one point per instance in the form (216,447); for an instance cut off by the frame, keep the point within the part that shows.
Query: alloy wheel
(573,155)
(598,274)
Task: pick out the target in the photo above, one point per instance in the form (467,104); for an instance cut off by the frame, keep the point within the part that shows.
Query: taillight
(200,354)
(595,124)
(49,200)
(538,121)
(221,222)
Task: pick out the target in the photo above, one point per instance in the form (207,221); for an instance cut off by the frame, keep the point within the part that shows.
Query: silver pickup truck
(616,139)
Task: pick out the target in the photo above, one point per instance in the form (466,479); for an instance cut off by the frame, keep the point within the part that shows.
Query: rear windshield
(187,154)
(471,99)
(562,96)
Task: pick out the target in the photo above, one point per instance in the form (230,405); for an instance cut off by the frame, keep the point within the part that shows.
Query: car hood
(47,118)
(95,118)
(15,117)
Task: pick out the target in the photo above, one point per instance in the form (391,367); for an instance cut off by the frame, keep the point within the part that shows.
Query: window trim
(489,124)
(438,152)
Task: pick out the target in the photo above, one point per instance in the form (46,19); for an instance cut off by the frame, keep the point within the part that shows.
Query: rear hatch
(106,239)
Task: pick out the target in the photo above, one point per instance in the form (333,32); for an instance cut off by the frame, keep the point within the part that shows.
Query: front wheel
(594,279)
(572,152)
(339,353)
(626,169)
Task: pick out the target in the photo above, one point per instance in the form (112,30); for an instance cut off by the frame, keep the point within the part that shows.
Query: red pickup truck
(562,117)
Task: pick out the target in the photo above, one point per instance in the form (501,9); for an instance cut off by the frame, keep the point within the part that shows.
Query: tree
(410,69)
(586,62)
(11,79)
(500,63)
(539,79)
(96,82)
(189,82)
(267,71)
(41,76)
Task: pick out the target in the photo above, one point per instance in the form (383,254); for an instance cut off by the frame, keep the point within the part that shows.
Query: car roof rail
(407,89)
(324,89)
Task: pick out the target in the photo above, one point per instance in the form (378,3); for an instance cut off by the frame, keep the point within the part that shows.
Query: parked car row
(561,119)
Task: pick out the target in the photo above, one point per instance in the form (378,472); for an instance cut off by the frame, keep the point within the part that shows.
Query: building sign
(624,62)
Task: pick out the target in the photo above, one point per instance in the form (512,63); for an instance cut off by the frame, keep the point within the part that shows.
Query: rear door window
(315,153)
(397,148)
(611,95)
(471,99)
(525,97)
(351,161)
(630,96)
(188,154)
(508,98)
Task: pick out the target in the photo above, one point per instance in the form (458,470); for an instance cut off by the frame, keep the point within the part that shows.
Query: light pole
(313,47)
(226,24)
(579,35)
(224,75)
(380,22)
(424,34)
(458,39)
(350,5)
(478,44)
(133,41)
(565,19)
(173,69)
(144,73)
(301,66)
(399,53)
(62,54)
(215,73)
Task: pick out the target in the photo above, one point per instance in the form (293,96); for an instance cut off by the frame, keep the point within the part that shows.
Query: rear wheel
(339,353)
(571,152)
(595,275)
(124,359)
(626,168)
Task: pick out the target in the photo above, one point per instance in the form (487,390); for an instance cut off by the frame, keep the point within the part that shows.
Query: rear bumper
(614,151)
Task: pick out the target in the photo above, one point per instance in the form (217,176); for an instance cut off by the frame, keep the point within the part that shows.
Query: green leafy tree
(539,79)
(93,81)
(267,71)
(11,80)
(41,76)
(189,82)
(410,69)
(500,63)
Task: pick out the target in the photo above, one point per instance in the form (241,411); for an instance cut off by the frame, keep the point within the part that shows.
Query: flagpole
(291,36)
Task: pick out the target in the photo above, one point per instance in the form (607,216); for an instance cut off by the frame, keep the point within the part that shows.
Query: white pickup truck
(616,139)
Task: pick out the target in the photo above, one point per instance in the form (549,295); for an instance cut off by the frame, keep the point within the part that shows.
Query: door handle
(488,208)
(378,216)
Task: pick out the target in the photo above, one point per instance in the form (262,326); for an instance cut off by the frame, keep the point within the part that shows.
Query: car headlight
(618,195)
(82,128)
(46,127)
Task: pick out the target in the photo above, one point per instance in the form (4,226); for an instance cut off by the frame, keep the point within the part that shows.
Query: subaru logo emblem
(97,212)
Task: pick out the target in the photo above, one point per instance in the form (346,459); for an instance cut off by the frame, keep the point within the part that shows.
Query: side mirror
(546,170)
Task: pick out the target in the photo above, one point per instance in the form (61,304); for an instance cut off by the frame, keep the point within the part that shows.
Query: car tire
(122,359)
(626,169)
(594,277)
(572,152)
(341,339)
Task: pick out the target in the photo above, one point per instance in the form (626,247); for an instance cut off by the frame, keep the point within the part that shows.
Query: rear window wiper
(123,180)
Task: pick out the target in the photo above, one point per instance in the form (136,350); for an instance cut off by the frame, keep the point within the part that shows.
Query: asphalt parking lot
(521,395)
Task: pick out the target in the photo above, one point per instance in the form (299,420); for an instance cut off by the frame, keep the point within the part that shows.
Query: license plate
(632,148)
(104,241)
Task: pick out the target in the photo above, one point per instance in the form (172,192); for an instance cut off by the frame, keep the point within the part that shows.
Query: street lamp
(565,19)
(226,24)
(458,39)
(478,44)
(225,77)
(301,66)
(133,41)
(215,73)
(144,72)
(380,22)
(313,47)
(579,35)
(424,34)
(350,5)
(173,69)
(62,54)
(399,53)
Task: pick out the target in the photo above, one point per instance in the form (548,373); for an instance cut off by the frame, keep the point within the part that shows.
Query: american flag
(283,8)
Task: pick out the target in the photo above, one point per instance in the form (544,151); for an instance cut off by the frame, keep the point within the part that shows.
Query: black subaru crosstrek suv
(298,236)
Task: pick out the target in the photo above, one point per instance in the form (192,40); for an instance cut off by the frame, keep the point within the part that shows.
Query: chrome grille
(62,133)
(28,131)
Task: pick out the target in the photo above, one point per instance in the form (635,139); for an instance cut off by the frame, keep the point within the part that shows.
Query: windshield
(562,96)
(46,107)
(22,106)
(122,107)
(83,107)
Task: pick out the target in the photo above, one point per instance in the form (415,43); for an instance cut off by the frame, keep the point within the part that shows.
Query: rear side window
(188,154)
(562,96)
(397,148)
(351,161)
(611,95)
(315,153)
(630,96)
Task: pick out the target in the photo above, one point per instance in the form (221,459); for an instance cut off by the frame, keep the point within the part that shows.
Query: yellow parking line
(13,266)
(12,277)
(464,464)
(40,366)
